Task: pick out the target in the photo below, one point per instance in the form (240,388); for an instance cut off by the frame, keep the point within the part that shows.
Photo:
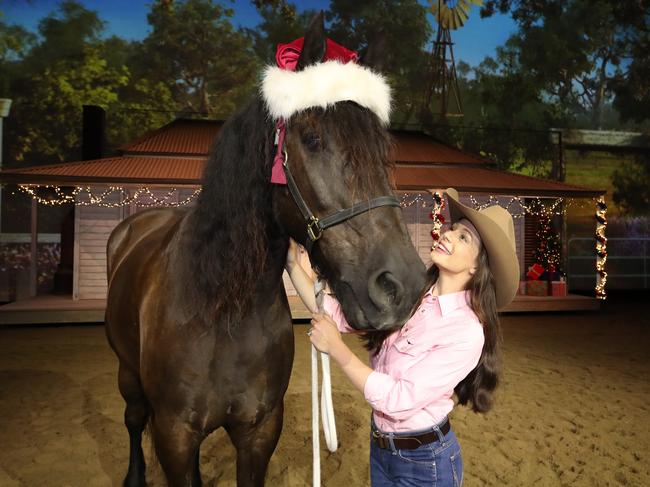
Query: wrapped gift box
(534,271)
(558,288)
(537,288)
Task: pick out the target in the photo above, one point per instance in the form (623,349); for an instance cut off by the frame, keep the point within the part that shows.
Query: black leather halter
(315,225)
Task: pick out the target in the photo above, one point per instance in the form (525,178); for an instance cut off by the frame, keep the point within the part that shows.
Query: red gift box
(534,271)
(558,288)
(537,288)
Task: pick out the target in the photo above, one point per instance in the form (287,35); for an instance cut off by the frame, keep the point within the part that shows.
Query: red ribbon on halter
(286,57)
(277,173)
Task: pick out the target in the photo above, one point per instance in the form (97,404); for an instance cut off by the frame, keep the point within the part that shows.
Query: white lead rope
(329,424)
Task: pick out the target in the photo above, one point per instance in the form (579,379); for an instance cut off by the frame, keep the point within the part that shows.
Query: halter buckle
(313,229)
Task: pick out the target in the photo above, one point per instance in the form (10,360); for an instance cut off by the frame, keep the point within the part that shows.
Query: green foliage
(504,115)
(142,106)
(559,70)
(277,28)
(574,51)
(404,27)
(193,60)
(632,187)
(15,42)
(194,47)
(632,89)
(51,115)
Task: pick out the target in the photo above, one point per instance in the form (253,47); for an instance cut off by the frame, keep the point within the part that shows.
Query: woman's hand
(323,333)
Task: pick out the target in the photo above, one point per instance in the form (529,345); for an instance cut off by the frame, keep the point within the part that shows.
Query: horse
(196,311)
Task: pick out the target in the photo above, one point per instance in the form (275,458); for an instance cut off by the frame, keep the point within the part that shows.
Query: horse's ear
(315,43)
(375,55)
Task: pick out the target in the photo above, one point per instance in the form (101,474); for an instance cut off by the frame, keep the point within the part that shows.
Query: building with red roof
(166,165)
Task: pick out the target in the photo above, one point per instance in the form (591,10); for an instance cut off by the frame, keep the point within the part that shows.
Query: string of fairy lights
(84,196)
(601,248)
(517,206)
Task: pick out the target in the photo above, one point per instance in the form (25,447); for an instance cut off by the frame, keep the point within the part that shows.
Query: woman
(448,345)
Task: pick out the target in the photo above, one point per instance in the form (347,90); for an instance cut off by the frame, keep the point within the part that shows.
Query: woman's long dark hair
(477,388)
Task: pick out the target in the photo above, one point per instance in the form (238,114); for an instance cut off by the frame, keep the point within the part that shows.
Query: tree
(632,187)
(277,28)
(15,42)
(549,249)
(50,115)
(406,31)
(504,115)
(65,34)
(61,72)
(194,47)
(631,88)
(574,50)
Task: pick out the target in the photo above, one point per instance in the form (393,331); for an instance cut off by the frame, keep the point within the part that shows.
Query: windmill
(443,83)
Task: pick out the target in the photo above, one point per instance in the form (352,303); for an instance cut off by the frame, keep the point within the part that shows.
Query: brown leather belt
(409,442)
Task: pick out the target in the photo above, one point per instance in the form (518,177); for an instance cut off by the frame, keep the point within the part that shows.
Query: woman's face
(457,251)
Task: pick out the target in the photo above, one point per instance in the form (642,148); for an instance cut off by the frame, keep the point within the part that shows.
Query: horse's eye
(312,141)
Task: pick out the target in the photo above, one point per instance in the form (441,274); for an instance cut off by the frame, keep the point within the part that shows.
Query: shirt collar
(449,302)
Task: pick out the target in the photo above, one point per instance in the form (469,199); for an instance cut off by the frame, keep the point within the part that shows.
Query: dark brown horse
(196,310)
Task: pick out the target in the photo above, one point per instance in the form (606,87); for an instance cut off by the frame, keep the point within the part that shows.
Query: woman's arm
(300,279)
(326,337)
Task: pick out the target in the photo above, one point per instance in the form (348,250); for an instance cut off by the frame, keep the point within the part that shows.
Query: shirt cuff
(374,390)
(333,308)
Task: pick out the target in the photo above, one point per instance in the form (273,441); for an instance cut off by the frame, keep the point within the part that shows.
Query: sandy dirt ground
(572,410)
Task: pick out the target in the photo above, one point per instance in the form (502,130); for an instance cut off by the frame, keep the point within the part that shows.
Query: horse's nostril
(385,291)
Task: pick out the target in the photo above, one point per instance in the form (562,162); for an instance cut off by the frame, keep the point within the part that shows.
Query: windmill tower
(443,82)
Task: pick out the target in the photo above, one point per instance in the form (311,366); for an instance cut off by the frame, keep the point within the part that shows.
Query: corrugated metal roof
(418,147)
(176,154)
(182,136)
(124,169)
(195,137)
(484,180)
(187,171)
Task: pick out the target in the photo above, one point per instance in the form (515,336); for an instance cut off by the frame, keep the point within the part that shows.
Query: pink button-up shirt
(418,366)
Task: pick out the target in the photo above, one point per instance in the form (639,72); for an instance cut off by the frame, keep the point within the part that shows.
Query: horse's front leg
(177,446)
(255,444)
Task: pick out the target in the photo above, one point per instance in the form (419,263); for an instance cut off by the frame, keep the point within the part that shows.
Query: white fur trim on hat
(321,85)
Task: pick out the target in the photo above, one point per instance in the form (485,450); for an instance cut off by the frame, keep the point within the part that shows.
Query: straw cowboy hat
(496,229)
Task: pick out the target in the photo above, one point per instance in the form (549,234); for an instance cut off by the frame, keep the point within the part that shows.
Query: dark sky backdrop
(128,19)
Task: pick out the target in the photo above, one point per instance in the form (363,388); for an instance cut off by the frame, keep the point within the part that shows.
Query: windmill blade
(462,16)
(464,5)
(450,20)
(458,22)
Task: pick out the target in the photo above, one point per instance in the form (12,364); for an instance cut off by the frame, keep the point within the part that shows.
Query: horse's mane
(228,224)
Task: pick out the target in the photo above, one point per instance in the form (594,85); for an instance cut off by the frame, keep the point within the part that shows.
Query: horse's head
(338,156)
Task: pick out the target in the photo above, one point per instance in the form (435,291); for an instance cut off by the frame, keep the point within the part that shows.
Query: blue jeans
(437,464)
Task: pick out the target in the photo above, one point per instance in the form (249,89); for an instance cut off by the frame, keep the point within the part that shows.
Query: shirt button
(422,311)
